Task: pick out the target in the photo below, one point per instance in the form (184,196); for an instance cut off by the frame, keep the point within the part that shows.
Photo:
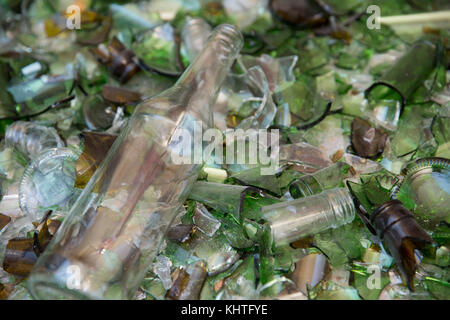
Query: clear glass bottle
(108,241)
(293,220)
(425,189)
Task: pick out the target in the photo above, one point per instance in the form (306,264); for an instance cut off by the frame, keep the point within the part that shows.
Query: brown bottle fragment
(189,282)
(366,140)
(5,291)
(53,226)
(43,237)
(96,146)
(20,256)
(301,13)
(302,243)
(181,232)
(4,220)
(396,225)
(117,58)
(120,96)
(337,155)
(22,253)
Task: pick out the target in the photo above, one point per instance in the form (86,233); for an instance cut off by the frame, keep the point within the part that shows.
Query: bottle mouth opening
(230,35)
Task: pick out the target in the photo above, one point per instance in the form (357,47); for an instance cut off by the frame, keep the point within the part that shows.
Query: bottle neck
(342,206)
(203,79)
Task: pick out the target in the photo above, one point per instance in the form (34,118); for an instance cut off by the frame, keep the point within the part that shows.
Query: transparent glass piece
(221,197)
(157,50)
(129,15)
(205,221)
(292,220)
(283,116)
(244,12)
(48,182)
(278,71)
(162,269)
(241,283)
(217,253)
(31,138)
(34,96)
(264,109)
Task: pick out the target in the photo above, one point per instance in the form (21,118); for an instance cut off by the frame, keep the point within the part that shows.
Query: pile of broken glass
(361,102)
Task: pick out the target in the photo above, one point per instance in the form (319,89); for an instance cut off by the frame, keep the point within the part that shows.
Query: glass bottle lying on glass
(295,219)
(112,233)
(425,189)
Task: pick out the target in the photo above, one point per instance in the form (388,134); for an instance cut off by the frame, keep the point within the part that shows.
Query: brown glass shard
(367,141)
(43,237)
(4,220)
(53,226)
(303,243)
(52,28)
(301,13)
(232,121)
(5,291)
(396,225)
(20,256)
(96,146)
(189,282)
(337,155)
(117,58)
(120,96)
(181,232)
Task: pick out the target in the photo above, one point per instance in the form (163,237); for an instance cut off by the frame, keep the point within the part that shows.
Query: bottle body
(114,230)
(292,220)
(425,189)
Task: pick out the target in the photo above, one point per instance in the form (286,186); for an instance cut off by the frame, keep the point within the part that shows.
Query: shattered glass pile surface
(363,114)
